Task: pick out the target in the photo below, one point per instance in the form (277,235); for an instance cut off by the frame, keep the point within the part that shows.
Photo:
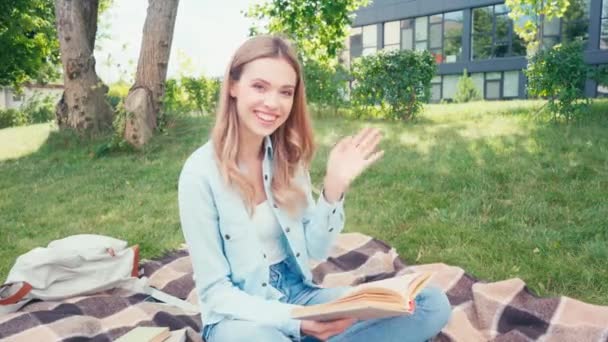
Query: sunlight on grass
(17,142)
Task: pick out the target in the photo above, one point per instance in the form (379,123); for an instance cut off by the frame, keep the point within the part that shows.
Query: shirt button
(264,255)
(265,177)
(331,229)
(264,284)
(287,230)
(334,211)
(227,237)
(297,255)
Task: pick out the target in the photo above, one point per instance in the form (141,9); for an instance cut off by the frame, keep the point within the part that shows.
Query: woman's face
(264,95)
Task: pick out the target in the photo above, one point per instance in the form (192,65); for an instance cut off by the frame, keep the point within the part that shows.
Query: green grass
(484,186)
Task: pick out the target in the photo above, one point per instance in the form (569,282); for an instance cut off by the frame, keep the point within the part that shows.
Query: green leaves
(29,48)
(318,28)
(398,81)
(465,89)
(527,14)
(559,75)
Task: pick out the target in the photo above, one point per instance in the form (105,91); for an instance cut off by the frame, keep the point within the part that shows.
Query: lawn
(484,186)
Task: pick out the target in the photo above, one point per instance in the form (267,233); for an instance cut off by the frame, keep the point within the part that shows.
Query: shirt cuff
(293,329)
(331,205)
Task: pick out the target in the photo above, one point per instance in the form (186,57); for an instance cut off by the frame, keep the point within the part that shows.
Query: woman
(251,223)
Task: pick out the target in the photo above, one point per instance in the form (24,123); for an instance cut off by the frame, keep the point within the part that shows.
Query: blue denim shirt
(230,267)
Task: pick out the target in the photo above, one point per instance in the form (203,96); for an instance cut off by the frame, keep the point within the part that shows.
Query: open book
(383,298)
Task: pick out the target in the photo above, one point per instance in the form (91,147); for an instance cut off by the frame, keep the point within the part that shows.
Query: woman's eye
(258,87)
(287,93)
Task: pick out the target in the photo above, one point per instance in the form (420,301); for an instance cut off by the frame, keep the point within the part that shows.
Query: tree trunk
(83,106)
(143,102)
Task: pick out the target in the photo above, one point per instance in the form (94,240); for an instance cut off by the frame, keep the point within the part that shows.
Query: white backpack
(77,265)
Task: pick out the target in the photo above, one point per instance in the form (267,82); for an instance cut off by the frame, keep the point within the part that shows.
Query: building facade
(476,35)
(9,99)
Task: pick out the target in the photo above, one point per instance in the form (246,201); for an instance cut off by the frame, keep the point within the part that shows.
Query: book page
(399,284)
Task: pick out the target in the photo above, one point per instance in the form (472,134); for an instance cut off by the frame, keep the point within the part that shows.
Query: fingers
(373,158)
(343,143)
(336,327)
(362,135)
(369,145)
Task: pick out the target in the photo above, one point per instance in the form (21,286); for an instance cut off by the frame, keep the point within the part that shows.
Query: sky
(205,37)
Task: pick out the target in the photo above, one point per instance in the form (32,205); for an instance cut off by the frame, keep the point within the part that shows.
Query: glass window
(435,92)
(492,90)
(493,76)
(391,47)
(481,47)
(452,24)
(421,46)
(503,24)
(511,84)
(501,50)
(421,28)
(551,27)
(407,34)
(499,9)
(437,18)
(483,21)
(604,34)
(368,51)
(604,29)
(435,35)
(549,42)
(575,22)
(478,82)
(449,86)
(391,33)
(492,34)
(370,36)
(356,45)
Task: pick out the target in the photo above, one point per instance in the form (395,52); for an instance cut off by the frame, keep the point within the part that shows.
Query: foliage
(318,27)
(29,48)
(559,75)
(396,81)
(117,93)
(527,14)
(202,92)
(465,89)
(36,109)
(326,86)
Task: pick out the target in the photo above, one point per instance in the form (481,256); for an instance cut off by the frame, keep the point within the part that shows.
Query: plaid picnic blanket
(500,311)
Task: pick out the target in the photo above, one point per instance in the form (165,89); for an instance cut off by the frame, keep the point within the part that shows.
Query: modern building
(476,35)
(9,99)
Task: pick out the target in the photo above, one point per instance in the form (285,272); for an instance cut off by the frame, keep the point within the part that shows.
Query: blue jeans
(431,315)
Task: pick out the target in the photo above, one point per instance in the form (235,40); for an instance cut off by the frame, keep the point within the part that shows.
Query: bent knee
(436,306)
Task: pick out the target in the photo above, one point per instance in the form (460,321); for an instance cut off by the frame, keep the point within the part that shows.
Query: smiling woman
(251,223)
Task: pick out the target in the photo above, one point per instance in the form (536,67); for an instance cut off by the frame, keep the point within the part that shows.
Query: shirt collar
(268,152)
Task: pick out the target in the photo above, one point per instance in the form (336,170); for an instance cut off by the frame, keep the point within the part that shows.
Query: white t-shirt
(269,232)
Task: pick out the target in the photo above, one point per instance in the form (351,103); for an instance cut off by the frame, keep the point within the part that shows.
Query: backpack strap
(18,295)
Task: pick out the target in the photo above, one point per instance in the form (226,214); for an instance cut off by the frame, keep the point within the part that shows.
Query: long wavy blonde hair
(292,142)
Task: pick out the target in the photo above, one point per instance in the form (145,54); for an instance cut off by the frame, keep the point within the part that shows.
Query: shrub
(396,82)
(117,93)
(38,109)
(12,117)
(326,85)
(465,89)
(559,74)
